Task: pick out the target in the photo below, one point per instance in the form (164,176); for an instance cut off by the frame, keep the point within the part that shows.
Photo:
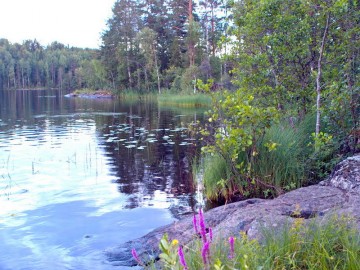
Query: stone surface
(340,194)
(97,94)
(346,175)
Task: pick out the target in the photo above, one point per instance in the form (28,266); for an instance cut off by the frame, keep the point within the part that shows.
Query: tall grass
(184,100)
(131,95)
(284,166)
(334,244)
(216,174)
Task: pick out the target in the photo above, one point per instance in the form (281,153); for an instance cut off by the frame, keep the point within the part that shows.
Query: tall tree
(119,41)
(148,45)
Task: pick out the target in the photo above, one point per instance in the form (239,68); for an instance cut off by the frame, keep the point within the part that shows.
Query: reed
(185,100)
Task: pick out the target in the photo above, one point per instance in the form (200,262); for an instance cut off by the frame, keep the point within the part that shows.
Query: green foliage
(239,126)
(169,255)
(278,166)
(276,60)
(188,80)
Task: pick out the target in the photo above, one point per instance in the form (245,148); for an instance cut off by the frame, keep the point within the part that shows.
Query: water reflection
(100,162)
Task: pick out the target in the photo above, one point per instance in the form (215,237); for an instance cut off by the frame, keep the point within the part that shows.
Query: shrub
(277,165)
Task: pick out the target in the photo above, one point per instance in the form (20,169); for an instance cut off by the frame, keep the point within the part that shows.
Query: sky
(77,23)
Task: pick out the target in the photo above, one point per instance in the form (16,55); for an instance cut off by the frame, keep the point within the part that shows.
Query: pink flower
(182,258)
(205,252)
(232,249)
(202,226)
(135,255)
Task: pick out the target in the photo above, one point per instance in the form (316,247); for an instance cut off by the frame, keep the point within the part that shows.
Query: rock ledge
(339,194)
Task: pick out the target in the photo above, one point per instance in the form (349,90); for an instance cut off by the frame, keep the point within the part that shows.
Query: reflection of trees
(160,166)
(40,111)
(140,173)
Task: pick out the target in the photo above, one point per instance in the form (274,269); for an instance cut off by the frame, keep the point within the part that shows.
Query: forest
(149,45)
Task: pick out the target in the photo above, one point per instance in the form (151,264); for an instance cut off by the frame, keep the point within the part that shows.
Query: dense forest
(148,45)
(165,44)
(30,65)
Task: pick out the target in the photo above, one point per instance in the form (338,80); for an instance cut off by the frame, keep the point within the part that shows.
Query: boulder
(338,195)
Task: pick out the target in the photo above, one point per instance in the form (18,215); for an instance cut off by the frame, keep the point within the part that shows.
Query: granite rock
(338,195)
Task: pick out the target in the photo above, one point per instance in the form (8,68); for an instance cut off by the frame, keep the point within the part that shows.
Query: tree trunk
(128,69)
(191,42)
(318,77)
(157,72)
(146,80)
(213,30)
(138,69)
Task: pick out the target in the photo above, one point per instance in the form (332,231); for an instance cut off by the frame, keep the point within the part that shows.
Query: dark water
(80,175)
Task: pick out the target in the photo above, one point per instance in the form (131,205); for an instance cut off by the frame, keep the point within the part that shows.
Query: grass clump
(185,100)
(215,173)
(131,95)
(280,159)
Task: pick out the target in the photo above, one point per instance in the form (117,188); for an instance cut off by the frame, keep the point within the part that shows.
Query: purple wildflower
(195,224)
(135,255)
(210,234)
(202,226)
(232,249)
(205,252)
(182,258)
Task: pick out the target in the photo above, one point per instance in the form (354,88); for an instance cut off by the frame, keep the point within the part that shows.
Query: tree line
(30,65)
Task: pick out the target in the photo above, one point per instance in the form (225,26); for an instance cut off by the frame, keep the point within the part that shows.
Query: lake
(80,175)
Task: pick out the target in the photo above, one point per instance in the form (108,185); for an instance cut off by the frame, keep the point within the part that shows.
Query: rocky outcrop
(92,94)
(338,195)
(346,175)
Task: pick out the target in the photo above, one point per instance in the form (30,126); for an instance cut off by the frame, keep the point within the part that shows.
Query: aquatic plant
(197,100)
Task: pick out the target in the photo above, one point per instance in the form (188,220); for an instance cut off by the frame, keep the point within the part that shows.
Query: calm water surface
(80,175)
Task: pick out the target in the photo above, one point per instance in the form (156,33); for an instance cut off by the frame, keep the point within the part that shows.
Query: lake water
(80,175)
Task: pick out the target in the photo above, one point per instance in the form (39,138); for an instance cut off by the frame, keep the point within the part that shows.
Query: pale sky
(77,23)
